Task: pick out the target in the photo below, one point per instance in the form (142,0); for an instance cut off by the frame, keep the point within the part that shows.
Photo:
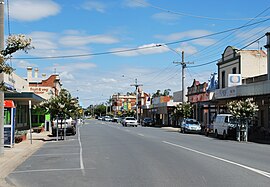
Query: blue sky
(86,27)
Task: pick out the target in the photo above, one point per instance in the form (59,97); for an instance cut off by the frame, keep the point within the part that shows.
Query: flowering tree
(182,110)
(61,105)
(13,43)
(243,110)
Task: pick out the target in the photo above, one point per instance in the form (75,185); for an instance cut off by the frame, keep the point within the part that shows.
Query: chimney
(36,72)
(267,46)
(43,76)
(29,73)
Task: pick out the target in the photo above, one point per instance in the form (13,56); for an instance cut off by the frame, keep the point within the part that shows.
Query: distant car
(68,125)
(148,122)
(107,118)
(190,126)
(115,119)
(120,120)
(100,118)
(129,121)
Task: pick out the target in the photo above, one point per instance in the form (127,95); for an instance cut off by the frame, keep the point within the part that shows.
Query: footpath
(13,157)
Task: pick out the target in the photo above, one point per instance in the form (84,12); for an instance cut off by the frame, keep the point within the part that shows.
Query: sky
(99,47)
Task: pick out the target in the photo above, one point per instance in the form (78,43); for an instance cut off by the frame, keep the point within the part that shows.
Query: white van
(225,125)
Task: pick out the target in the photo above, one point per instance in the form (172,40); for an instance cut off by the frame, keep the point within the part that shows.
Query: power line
(192,15)
(227,55)
(138,49)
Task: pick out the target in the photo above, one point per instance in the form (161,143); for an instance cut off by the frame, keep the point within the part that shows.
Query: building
(43,86)
(122,104)
(243,74)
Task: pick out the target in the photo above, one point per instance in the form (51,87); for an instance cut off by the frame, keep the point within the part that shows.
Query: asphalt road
(104,154)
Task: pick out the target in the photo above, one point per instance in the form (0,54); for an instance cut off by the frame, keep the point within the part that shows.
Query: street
(104,154)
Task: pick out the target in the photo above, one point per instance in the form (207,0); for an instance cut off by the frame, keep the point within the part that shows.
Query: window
(234,71)
(223,79)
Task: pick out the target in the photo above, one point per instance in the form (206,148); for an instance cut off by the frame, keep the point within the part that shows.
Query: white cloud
(135,3)
(94,5)
(141,50)
(188,35)
(32,10)
(165,17)
(110,80)
(24,64)
(66,77)
(189,49)
(80,40)
(182,35)
(73,67)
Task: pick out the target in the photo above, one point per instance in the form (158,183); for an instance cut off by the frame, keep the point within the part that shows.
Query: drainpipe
(267,46)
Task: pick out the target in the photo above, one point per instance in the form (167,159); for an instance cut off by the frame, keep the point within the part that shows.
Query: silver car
(191,126)
(129,121)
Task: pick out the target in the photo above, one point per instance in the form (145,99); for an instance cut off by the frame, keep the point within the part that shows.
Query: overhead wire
(199,65)
(138,49)
(192,15)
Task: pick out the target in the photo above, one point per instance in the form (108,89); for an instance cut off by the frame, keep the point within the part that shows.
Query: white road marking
(59,154)
(50,170)
(140,134)
(46,170)
(264,173)
(81,157)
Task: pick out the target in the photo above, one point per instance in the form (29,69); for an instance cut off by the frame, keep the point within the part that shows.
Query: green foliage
(183,110)
(100,110)
(62,105)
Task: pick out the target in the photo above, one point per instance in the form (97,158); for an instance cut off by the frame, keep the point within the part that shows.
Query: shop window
(223,79)
(234,71)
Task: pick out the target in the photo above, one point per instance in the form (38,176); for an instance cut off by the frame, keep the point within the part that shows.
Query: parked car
(148,122)
(129,121)
(120,120)
(225,125)
(107,118)
(115,119)
(190,126)
(66,124)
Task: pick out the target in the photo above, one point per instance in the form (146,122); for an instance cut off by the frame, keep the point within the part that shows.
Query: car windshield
(130,119)
(193,122)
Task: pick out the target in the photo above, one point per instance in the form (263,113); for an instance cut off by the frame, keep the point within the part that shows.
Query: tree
(100,110)
(166,92)
(243,110)
(182,110)
(14,43)
(62,105)
(157,94)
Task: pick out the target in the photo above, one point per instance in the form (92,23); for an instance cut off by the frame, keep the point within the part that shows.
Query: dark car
(148,122)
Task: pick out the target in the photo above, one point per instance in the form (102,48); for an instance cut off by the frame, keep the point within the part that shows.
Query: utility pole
(184,65)
(2,79)
(136,86)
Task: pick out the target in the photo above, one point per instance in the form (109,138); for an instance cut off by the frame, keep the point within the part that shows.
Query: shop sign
(225,93)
